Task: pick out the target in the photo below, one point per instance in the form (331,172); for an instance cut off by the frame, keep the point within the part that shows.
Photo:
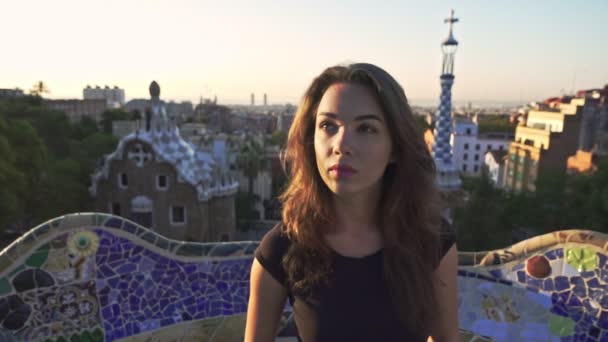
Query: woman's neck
(356,214)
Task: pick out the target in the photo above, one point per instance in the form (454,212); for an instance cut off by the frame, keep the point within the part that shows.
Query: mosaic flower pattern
(83,243)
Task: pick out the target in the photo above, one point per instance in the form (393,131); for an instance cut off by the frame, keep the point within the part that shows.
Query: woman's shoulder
(275,240)
(271,250)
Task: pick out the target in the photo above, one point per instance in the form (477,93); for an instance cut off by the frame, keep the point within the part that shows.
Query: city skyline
(508,53)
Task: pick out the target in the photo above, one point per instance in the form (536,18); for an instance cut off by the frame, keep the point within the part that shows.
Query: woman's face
(352,142)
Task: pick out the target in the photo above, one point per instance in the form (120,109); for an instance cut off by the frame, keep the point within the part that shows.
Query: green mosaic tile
(583,259)
(561,326)
(37,259)
(5,287)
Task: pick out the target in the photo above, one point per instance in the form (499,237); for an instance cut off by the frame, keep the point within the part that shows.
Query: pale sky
(509,50)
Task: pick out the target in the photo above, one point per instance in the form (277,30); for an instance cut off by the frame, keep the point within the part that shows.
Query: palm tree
(249,160)
(39,88)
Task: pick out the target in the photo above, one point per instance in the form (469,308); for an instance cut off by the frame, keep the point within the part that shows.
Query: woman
(360,251)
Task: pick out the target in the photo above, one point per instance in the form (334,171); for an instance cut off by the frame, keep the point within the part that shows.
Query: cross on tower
(140,155)
(451,19)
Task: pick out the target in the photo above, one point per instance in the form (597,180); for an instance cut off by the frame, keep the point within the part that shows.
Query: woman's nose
(342,142)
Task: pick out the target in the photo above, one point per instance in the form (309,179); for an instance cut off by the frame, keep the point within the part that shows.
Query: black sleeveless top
(354,307)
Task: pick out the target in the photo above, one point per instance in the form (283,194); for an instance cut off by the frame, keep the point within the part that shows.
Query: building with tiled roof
(158,179)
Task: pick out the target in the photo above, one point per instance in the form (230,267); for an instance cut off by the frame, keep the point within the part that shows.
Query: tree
(110,115)
(31,159)
(39,88)
(249,160)
(12,181)
(86,127)
(244,207)
(279,138)
(495,123)
(93,147)
(63,182)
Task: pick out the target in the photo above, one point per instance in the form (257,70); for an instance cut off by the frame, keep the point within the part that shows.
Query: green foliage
(46,162)
(495,123)
(493,218)
(113,115)
(12,183)
(244,207)
(86,127)
(249,160)
(279,138)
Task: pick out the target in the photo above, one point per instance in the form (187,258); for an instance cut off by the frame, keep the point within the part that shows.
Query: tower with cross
(448,176)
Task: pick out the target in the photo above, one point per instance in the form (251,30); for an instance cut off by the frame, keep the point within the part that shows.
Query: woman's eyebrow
(358,118)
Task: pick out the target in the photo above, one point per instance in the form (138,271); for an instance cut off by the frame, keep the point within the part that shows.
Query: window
(115,208)
(489,147)
(500,148)
(465,157)
(468,131)
(123,181)
(466,146)
(476,168)
(477,147)
(178,215)
(161,182)
(464,167)
(476,157)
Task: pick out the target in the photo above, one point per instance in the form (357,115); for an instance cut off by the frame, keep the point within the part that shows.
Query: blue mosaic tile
(521,276)
(576,314)
(589,308)
(573,302)
(548,285)
(601,259)
(603,275)
(551,255)
(588,274)
(561,283)
(580,291)
(559,310)
(496,273)
(593,283)
(518,267)
(114,223)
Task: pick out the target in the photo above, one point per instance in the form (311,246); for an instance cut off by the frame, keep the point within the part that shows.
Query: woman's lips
(342,170)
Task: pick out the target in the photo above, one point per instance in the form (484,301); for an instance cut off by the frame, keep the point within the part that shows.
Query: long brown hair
(408,213)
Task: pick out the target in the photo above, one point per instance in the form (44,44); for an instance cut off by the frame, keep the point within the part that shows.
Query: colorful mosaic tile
(94,277)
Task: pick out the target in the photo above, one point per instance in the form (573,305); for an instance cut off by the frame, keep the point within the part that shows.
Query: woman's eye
(326,125)
(367,129)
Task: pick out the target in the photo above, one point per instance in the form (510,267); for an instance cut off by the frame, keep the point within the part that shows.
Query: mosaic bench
(98,277)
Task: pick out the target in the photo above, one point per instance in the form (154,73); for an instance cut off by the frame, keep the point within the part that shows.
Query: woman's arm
(446,289)
(266,303)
